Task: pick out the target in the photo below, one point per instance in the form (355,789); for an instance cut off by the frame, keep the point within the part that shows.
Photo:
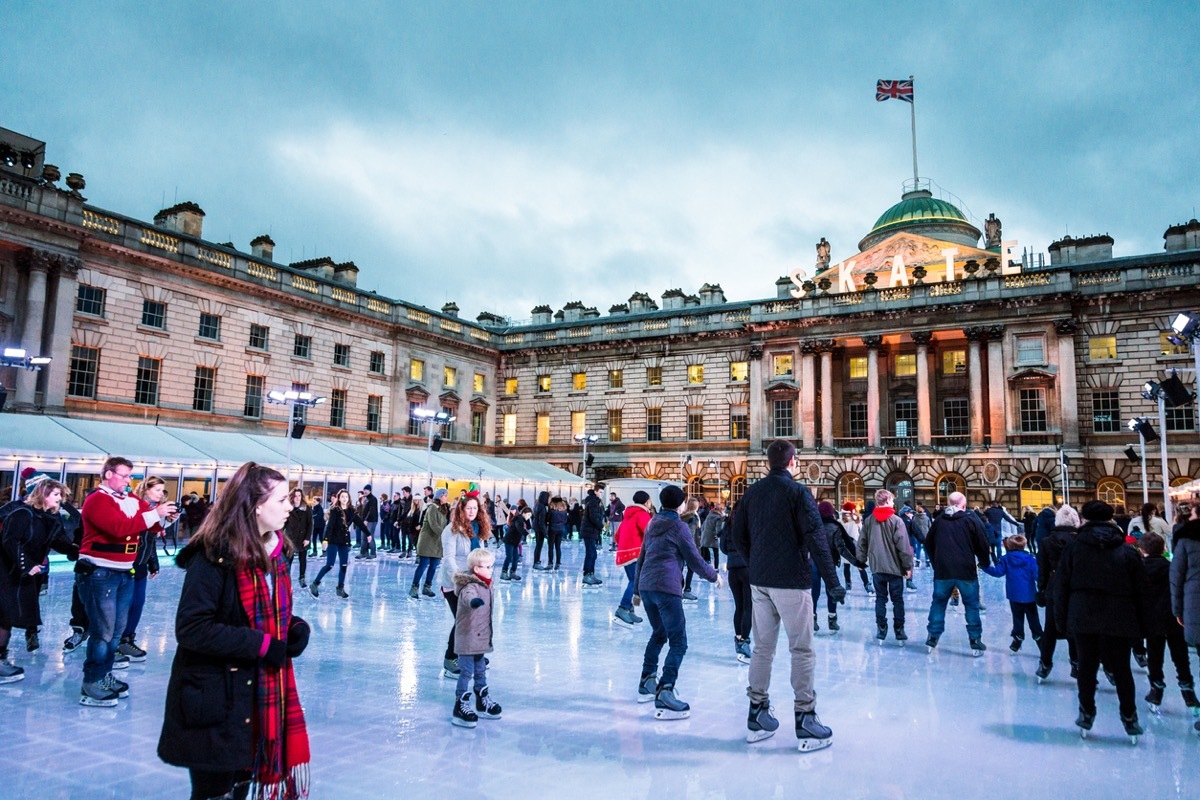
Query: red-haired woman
(233,716)
(469,528)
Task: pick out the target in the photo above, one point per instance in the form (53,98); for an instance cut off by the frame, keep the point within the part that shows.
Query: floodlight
(14,352)
(39,361)
(1186,325)
(1143,427)
(1175,393)
(1132,455)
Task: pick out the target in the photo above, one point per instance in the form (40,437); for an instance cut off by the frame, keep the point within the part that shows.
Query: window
(510,385)
(416,370)
(1102,348)
(1165,345)
(449,376)
(1180,419)
(739,370)
(377,364)
(145,389)
(204,388)
(510,429)
(543,383)
(1033,412)
(299,412)
(1036,491)
(448,427)
(543,428)
(695,424)
(414,422)
(782,425)
(858,368)
(1111,491)
(90,300)
(954,362)
(851,489)
(374,412)
(696,373)
(210,327)
(906,417)
(614,424)
(956,420)
(616,379)
(85,367)
(1031,349)
(579,381)
(477,419)
(337,408)
(477,383)
(653,424)
(1106,412)
(252,406)
(578,423)
(654,376)
(341,355)
(259,337)
(739,422)
(856,420)
(302,346)
(906,365)
(782,365)
(154,314)
(947,484)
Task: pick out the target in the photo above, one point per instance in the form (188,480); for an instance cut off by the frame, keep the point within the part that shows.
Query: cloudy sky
(506,154)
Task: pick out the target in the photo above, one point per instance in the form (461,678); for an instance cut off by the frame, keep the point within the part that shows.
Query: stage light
(1132,455)
(1186,325)
(1143,427)
(1175,393)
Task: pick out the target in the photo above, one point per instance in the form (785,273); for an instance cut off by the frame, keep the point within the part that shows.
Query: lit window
(696,373)
(510,385)
(1031,349)
(1111,491)
(579,381)
(578,423)
(906,365)
(510,429)
(616,379)
(858,368)
(477,420)
(1166,346)
(654,376)
(543,428)
(1102,348)
(739,422)
(450,376)
(782,365)
(416,370)
(954,362)
(543,383)
(614,424)
(739,370)
(477,383)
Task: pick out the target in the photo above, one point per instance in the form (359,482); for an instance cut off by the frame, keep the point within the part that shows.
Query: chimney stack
(263,247)
(186,218)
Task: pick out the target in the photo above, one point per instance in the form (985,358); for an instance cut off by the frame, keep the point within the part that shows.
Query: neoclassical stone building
(936,357)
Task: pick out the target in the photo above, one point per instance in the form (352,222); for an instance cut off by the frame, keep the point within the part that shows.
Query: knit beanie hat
(671,498)
(640,497)
(1096,511)
(826,509)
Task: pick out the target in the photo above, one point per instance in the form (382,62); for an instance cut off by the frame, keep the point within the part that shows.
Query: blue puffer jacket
(1020,571)
(667,546)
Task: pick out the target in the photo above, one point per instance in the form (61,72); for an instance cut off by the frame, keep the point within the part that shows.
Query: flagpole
(913,109)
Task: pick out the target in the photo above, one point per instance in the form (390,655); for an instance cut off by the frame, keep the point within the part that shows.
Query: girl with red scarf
(233,716)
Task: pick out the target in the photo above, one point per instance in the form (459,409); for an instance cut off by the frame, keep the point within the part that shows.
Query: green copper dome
(920,212)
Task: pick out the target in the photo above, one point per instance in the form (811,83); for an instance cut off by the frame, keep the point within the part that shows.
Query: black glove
(1040,599)
(477,602)
(838,593)
(276,654)
(298,633)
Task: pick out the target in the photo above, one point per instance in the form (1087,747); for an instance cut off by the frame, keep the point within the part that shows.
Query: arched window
(1111,491)
(695,486)
(737,488)
(1037,491)
(947,484)
(850,487)
(901,485)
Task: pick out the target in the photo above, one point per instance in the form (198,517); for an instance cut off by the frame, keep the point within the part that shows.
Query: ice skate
(71,644)
(127,647)
(450,668)
(95,695)
(1112,679)
(1043,671)
(880,634)
(341,592)
(977,647)
(623,617)
(9,672)
(742,648)
(485,706)
(119,688)
(1142,660)
(463,715)
(931,643)
(1155,696)
(414,593)
(690,596)
(427,592)
(647,688)
(636,619)
(901,636)
(1189,698)
(816,625)
(811,733)
(513,576)
(668,706)
(833,623)
(315,588)
(1015,647)
(761,723)
(1084,721)
(1132,729)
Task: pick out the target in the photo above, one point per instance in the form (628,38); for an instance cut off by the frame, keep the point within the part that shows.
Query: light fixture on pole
(1145,432)
(17,358)
(684,460)
(293,399)
(428,418)
(1154,392)
(1064,462)
(715,465)
(585,439)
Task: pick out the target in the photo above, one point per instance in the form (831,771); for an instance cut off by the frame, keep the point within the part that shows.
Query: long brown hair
(230,531)
(462,526)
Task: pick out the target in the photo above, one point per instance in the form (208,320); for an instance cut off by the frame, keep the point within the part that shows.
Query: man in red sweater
(113,521)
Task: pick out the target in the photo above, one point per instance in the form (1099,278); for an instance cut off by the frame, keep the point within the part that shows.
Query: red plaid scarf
(281,740)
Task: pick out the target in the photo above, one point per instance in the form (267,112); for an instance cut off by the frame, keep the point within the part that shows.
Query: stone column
(826,348)
(758,400)
(1068,393)
(975,337)
(874,438)
(808,395)
(36,264)
(66,290)
(924,420)
(997,387)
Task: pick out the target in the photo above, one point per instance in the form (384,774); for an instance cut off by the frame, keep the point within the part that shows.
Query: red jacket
(631,533)
(112,527)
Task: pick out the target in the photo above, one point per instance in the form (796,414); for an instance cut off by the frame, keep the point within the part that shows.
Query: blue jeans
(136,604)
(423,563)
(667,624)
(589,557)
(471,667)
(941,596)
(335,552)
(631,574)
(106,595)
(512,557)
(831,604)
(917,547)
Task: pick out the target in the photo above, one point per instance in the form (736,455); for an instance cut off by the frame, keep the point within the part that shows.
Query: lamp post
(1063,463)
(1153,391)
(585,439)
(17,358)
(715,465)
(292,398)
(429,418)
(1185,328)
(1145,433)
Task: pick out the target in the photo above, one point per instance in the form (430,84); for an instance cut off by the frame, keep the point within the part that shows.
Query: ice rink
(906,724)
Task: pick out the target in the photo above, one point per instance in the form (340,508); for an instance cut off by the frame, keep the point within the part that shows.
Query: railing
(482,336)
(1099,278)
(99,222)
(781,307)
(578,333)
(896,293)
(857,443)
(159,241)
(344,296)
(944,289)
(379,306)
(655,324)
(909,442)
(950,444)
(261,271)
(1177,271)
(1026,280)
(849,298)
(737,316)
(448,325)
(214,257)
(514,338)
(306,284)
(1036,439)
(617,327)
(13,189)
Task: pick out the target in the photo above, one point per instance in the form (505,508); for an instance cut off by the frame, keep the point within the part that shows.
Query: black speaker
(1132,455)
(436,444)
(298,430)
(591,459)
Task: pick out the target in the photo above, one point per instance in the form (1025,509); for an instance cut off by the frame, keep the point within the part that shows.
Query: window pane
(858,367)
(337,408)
(1181,419)
(906,365)
(1033,411)
(543,383)
(739,370)
(1102,348)
(696,373)
(956,421)
(259,335)
(543,429)
(449,376)
(145,390)
(447,428)
(781,366)
(510,429)
(154,315)
(1031,350)
(210,327)
(302,347)
(906,417)
(783,426)
(856,420)
(85,366)
(1166,346)
(477,383)
(579,381)
(614,424)
(416,370)
(954,362)
(510,385)
(616,379)
(252,407)
(477,419)
(1106,412)
(414,422)
(653,424)
(374,412)
(90,300)
(341,355)
(377,362)
(204,388)
(695,424)
(654,376)
(739,422)
(299,413)
(578,423)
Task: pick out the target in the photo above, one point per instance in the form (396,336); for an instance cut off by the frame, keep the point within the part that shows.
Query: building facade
(928,361)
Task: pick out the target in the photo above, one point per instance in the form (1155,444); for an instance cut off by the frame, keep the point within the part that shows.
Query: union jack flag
(894,90)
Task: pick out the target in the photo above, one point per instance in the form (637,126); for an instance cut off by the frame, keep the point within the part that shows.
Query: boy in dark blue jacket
(1019,569)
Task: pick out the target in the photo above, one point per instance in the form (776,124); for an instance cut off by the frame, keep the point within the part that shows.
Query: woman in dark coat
(337,542)
(1054,542)
(299,530)
(233,716)
(1098,593)
(557,525)
(1185,578)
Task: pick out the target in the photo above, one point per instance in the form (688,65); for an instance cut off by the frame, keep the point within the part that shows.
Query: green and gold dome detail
(920,212)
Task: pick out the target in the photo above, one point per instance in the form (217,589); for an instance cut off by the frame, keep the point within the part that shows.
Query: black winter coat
(957,545)
(541,514)
(337,527)
(29,535)
(1100,585)
(777,528)
(1159,619)
(592,523)
(734,559)
(299,527)
(514,532)
(208,722)
(1049,554)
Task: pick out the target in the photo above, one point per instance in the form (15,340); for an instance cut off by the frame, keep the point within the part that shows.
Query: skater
(920,528)
(739,586)
(616,515)
(1163,631)
(591,526)
(629,537)
(851,523)
(657,584)
(369,505)
(433,520)
(556,525)
(541,527)
(1019,570)
(473,636)
(469,529)
(318,525)
(299,531)
(884,544)
(1148,521)
(233,716)
(957,545)
(1099,590)
(1185,578)
(709,532)
(777,529)
(145,565)
(514,536)
(1061,534)
(337,542)
(690,515)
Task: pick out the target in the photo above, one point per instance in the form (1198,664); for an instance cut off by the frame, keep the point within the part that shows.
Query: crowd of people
(1119,590)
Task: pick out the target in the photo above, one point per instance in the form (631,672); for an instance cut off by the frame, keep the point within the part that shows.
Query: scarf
(281,752)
